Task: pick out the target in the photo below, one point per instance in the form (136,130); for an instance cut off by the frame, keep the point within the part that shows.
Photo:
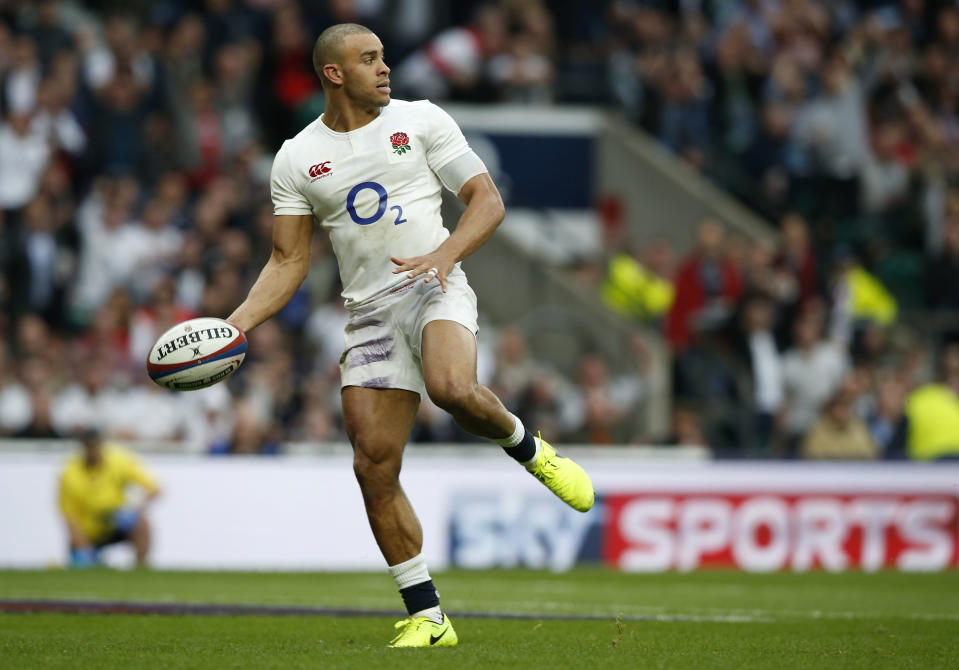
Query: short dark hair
(327,47)
(90,436)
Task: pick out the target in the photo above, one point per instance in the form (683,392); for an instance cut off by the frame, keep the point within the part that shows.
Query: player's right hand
(434,266)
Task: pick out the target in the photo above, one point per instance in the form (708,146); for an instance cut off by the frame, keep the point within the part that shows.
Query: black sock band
(420,596)
(523,451)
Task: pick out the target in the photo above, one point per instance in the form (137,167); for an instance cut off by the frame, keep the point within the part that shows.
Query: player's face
(367,78)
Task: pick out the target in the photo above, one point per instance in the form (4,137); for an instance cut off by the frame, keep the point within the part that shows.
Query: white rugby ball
(196,354)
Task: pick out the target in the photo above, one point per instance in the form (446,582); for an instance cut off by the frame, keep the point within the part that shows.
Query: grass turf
(725,620)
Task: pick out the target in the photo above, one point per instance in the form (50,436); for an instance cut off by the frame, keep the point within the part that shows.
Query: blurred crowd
(136,142)
(843,111)
(838,121)
(779,352)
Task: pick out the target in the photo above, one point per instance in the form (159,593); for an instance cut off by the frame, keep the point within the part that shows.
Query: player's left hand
(436,265)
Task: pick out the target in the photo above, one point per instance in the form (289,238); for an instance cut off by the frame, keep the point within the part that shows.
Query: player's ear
(333,74)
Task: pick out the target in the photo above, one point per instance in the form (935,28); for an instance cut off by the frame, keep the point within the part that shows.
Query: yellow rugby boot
(563,477)
(422,632)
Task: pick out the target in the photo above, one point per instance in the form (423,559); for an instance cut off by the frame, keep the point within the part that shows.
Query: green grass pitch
(698,620)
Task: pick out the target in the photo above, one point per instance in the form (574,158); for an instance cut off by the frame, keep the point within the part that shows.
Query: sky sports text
(769,532)
(757,532)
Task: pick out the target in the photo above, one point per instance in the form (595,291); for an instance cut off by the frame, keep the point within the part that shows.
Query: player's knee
(374,474)
(450,395)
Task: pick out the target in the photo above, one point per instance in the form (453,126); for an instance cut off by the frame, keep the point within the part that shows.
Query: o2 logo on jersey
(320,170)
(380,207)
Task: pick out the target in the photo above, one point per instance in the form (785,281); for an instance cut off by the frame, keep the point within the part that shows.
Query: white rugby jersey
(374,189)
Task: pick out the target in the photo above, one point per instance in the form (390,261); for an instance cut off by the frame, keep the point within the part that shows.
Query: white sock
(518,432)
(410,572)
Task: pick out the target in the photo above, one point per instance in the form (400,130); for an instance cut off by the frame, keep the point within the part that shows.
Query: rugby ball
(196,354)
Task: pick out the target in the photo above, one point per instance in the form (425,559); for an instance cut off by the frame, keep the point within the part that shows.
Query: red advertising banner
(763,532)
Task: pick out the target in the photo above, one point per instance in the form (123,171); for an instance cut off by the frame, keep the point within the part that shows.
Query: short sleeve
(287,199)
(446,141)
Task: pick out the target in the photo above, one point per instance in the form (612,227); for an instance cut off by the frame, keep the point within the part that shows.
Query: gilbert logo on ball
(196,354)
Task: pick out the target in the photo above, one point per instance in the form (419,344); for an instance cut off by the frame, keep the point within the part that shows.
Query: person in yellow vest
(858,297)
(93,500)
(932,413)
(637,287)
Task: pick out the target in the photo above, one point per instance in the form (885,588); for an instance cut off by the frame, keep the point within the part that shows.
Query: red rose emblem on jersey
(401,143)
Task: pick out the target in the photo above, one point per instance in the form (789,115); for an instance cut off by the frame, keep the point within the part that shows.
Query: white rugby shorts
(384,336)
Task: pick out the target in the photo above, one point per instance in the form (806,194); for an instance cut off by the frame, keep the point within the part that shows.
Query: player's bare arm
(283,273)
(484,212)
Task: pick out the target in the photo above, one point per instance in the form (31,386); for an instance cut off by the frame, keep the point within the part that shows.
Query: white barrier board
(481,510)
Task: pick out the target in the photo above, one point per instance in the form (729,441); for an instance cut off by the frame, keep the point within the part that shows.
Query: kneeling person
(93,501)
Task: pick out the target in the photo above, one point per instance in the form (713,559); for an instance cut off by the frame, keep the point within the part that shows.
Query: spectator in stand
(112,249)
(604,402)
(524,71)
(48,33)
(813,369)
(639,285)
(932,412)
(122,50)
(858,298)
(87,399)
(796,256)
(234,81)
(15,403)
(839,433)
(117,141)
(108,337)
(707,288)
(199,133)
(38,381)
(942,274)
(252,434)
(147,412)
(23,158)
(887,422)
(762,360)
(762,275)
(552,404)
(54,120)
(686,427)
(514,370)
(159,243)
(832,129)
(288,72)
(45,264)
(685,112)
(451,65)
(18,84)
